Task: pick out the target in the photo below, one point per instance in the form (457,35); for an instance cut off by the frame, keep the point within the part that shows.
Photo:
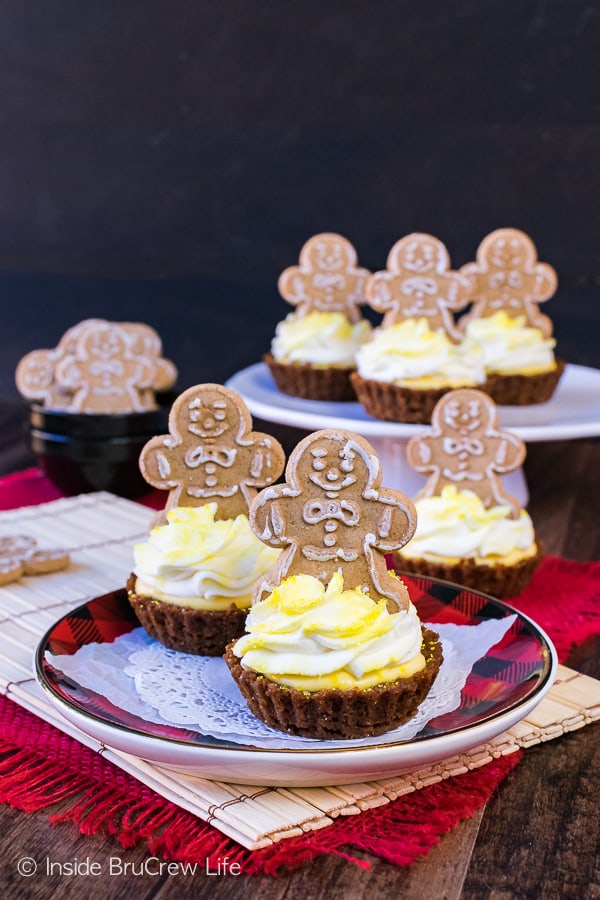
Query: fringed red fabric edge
(101,798)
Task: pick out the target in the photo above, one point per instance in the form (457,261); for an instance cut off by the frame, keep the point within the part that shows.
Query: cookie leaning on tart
(333,646)
(193,577)
(505,326)
(314,349)
(469,531)
(414,356)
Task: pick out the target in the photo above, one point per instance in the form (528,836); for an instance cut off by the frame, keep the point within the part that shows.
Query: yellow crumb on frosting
(320,339)
(201,563)
(311,637)
(455,525)
(508,345)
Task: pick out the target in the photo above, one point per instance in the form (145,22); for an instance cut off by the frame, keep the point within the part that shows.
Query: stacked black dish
(82,452)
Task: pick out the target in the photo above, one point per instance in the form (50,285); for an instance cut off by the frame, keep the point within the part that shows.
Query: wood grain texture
(537,837)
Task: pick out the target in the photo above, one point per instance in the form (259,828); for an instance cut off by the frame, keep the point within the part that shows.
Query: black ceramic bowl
(78,466)
(82,452)
(95,426)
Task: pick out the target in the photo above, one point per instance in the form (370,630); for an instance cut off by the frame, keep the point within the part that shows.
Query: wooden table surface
(536,838)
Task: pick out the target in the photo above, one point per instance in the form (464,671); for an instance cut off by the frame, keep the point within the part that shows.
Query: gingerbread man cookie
(332,514)
(507,276)
(34,377)
(327,279)
(104,374)
(418,283)
(98,367)
(211,454)
(464,447)
(19,555)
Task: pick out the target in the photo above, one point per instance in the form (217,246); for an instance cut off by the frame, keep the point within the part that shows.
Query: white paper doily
(163,686)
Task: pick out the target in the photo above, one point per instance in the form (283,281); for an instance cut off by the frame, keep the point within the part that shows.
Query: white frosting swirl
(410,353)
(310,637)
(507,345)
(197,562)
(456,525)
(319,339)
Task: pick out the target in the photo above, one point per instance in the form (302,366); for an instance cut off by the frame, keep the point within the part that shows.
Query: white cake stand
(573,412)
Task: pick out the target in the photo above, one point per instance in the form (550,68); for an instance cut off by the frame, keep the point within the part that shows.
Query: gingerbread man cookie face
(327,279)
(211,454)
(104,374)
(464,447)
(418,283)
(332,514)
(507,276)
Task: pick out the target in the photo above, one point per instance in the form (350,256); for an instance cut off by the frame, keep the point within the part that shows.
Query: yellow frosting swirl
(411,354)
(506,345)
(456,525)
(197,562)
(319,339)
(309,637)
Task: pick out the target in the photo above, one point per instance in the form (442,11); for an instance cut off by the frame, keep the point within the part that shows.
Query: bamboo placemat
(99,530)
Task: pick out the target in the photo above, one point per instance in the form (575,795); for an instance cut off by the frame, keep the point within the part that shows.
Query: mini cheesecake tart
(328,663)
(406,368)
(193,578)
(459,540)
(312,356)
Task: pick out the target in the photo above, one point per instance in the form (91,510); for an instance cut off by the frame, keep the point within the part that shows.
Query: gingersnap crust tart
(199,631)
(495,579)
(522,390)
(335,713)
(325,383)
(394,402)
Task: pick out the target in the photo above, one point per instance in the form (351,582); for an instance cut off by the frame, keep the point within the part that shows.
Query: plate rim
(235,751)
(371,427)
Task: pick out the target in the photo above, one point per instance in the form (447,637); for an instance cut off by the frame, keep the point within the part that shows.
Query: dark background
(164,161)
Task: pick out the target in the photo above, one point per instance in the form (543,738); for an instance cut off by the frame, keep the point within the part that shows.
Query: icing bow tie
(198,456)
(419,285)
(318,511)
(472,446)
(106,367)
(325,280)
